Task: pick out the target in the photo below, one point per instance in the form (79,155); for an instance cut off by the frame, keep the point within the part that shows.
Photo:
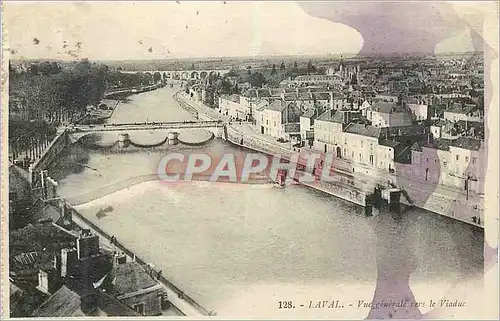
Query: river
(239,249)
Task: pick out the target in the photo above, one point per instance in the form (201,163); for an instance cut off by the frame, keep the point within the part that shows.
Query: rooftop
(310,113)
(278,105)
(467,143)
(388,143)
(321,96)
(364,130)
(462,109)
(442,144)
(387,108)
(251,93)
(67,303)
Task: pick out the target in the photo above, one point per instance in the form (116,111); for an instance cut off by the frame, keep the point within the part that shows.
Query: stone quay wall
(49,155)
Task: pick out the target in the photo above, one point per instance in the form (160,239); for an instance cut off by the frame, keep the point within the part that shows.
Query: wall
(96,230)
(342,187)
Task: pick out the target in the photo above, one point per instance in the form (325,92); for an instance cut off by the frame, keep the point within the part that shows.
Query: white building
(280,119)
(235,107)
(383,114)
(328,129)
(419,110)
(306,126)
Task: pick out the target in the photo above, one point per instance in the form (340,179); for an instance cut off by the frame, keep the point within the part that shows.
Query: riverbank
(99,115)
(233,235)
(81,199)
(180,300)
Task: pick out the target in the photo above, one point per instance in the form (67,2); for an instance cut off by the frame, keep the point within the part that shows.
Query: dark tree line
(45,96)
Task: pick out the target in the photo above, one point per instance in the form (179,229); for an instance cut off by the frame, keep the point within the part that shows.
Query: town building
(383,114)
(307,127)
(419,110)
(457,163)
(324,80)
(132,285)
(464,112)
(328,129)
(233,106)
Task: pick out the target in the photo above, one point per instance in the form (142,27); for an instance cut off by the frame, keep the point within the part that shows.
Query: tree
(295,66)
(310,66)
(273,71)
(282,66)
(256,79)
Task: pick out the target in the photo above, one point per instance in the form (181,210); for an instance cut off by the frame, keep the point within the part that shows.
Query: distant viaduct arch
(180,74)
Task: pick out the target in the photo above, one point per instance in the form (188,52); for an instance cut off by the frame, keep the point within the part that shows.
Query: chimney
(69,259)
(48,281)
(120,258)
(87,245)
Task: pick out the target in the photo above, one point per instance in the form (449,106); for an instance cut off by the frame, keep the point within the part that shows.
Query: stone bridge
(181,74)
(79,131)
(128,91)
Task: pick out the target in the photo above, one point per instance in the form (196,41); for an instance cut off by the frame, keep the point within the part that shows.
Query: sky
(160,30)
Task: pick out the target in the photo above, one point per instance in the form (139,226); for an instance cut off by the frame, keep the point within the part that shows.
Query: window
(361,144)
(427,159)
(445,164)
(466,158)
(457,157)
(139,308)
(473,160)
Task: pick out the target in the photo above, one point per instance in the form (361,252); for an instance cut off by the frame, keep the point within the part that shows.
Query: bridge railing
(147,125)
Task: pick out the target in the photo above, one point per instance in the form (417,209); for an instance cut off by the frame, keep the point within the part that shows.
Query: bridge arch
(195,75)
(203,74)
(177,75)
(157,77)
(185,75)
(148,77)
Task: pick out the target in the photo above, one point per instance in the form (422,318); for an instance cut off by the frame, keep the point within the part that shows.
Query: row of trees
(46,95)
(116,79)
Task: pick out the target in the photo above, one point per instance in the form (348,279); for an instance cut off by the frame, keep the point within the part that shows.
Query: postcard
(250,159)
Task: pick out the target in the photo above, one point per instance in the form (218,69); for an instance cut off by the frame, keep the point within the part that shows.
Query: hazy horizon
(131,31)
